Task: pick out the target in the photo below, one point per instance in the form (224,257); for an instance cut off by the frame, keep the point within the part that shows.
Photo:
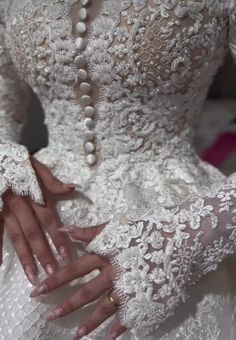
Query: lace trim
(160,254)
(17,174)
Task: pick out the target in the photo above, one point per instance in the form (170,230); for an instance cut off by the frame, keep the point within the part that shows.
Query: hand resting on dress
(157,258)
(26,221)
(89,292)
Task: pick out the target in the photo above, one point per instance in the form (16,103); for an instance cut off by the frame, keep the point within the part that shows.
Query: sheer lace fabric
(159,253)
(16,172)
(150,89)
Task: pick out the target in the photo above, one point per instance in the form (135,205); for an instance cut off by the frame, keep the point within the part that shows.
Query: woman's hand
(26,223)
(90,291)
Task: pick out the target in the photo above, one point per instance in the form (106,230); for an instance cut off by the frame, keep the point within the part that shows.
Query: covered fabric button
(82,74)
(89,111)
(85,87)
(80,61)
(86,100)
(89,123)
(83,14)
(91,159)
(81,27)
(80,43)
(89,147)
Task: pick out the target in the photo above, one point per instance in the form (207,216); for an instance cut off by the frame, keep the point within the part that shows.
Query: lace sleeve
(232,28)
(16,172)
(159,256)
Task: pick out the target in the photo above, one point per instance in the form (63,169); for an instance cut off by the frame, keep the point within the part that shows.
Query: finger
(102,312)
(21,246)
(50,221)
(73,270)
(88,293)
(84,234)
(32,232)
(116,331)
(50,182)
(1,240)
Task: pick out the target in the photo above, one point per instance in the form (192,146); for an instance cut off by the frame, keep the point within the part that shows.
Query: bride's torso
(149,63)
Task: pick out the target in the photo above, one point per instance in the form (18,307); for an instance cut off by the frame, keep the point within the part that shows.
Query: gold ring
(111,299)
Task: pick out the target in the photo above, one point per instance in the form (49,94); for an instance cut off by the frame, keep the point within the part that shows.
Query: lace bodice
(151,61)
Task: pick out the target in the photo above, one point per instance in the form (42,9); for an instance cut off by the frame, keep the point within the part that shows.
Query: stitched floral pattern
(164,251)
(16,172)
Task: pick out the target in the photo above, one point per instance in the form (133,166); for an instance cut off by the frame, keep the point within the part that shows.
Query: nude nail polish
(41,289)
(30,273)
(70,229)
(113,336)
(55,314)
(50,269)
(73,186)
(81,332)
(64,253)
(65,229)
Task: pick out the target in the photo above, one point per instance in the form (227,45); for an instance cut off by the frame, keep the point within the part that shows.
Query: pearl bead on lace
(84,86)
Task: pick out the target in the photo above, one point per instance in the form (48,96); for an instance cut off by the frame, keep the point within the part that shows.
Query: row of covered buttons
(85,88)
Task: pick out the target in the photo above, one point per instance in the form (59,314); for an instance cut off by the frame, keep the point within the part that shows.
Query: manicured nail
(81,332)
(50,269)
(55,314)
(70,229)
(41,289)
(30,273)
(113,336)
(64,253)
(73,186)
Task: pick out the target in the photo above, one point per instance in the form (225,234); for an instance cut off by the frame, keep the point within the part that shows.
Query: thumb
(50,182)
(84,234)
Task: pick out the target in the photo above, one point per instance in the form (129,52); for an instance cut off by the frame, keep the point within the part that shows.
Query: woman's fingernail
(73,186)
(81,332)
(70,229)
(41,289)
(30,273)
(50,269)
(64,253)
(55,314)
(113,336)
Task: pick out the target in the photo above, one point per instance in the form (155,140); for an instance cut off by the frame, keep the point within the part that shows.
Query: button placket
(84,86)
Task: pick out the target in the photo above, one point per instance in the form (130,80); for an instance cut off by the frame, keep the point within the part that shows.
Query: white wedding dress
(150,65)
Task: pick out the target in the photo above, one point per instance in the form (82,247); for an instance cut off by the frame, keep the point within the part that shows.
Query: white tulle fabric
(151,63)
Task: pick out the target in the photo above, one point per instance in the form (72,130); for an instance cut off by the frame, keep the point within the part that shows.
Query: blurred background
(215,132)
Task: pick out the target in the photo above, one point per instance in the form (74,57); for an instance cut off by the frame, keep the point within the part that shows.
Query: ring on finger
(111,299)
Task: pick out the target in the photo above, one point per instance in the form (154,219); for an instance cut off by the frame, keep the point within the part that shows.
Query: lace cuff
(17,173)
(159,256)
